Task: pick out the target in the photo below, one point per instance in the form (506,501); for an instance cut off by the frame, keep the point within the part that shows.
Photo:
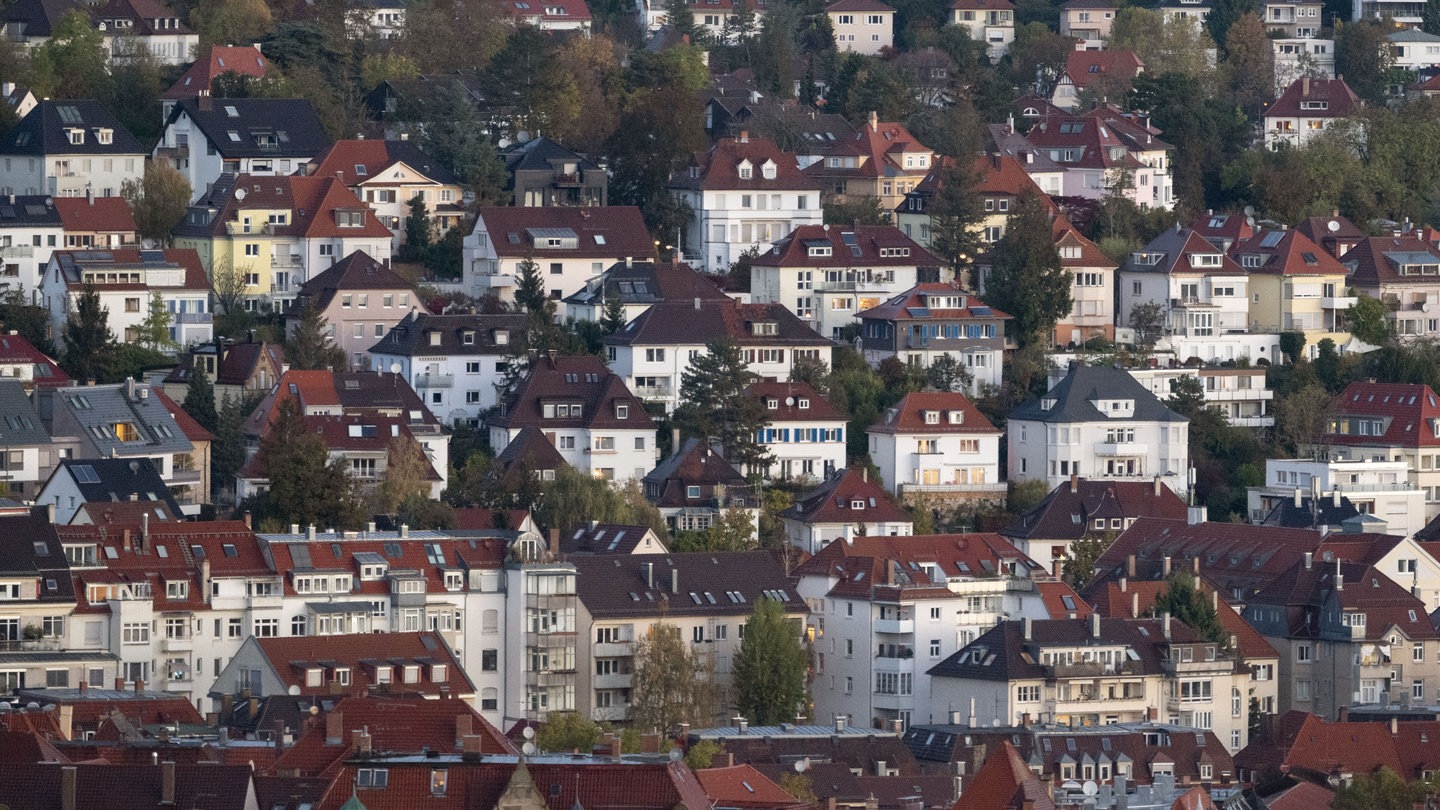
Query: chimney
(1025,623)
(865,473)
(1095,625)
(553,354)
(973,722)
(167,782)
(840,722)
(1165,622)
(69,774)
(554,544)
(744,136)
(470,746)
(84,687)
(254,707)
(674,580)
(67,720)
(1297,497)
(697,303)
(1309,560)
(875,121)
(363,742)
(1157,486)
(1165,565)
(139,686)
(615,747)
(89,195)
(119,684)
(310,532)
(1335,499)
(246,518)
(1074,483)
(1130,565)
(1305,86)
(1394,725)
(1135,605)
(743,726)
(1124,584)
(1339,576)
(334,727)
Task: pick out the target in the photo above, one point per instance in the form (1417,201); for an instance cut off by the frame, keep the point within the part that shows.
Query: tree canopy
(1026,278)
(714,405)
(770,667)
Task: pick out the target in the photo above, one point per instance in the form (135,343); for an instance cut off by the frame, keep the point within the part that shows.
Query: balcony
(567,180)
(39,644)
(434,381)
(614,649)
(1121,449)
(192,318)
(615,680)
(17,252)
(653,391)
(494,280)
(177,644)
(257,229)
(885,700)
(976,489)
(894,664)
(1239,395)
(285,260)
(1338,301)
(264,601)
(903,625)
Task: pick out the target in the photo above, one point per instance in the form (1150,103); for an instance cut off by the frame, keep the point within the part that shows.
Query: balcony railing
(1121,448)
(942,488)
(434,381)
(653,391)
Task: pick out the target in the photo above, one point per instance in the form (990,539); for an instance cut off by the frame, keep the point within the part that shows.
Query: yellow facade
(247,247)
(1313,304)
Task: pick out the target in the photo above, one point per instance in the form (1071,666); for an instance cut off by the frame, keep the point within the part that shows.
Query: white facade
(730,222)
(1295,58)
(189,308)
(828,298)
(804,450)
(1380,489)
(25,253)
(653,373)
(202,164)
(1240,394)
(69,175)
(966,462)
(452,386)
(867,31)
(616,454)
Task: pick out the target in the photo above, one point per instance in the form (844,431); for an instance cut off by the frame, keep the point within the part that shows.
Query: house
(127,282)
(1406,560)
(32,786)
(1088,21)
(1000,179)
(97,222)
(1296,58)
(1154,182)
(1401,13)
(1240,392)
(1306,108)
(599,427)
(611,538)
(938,444)
(1003,139)
(1346,636)
(342,294)
(137,28)
(76,482)
(1101,157)
(18,98)
(653,351)
(1388,422)
(827,274)
(22,361)
(30,230)
(883,606)
(1194,11)
(701,597)
(1100,423)
(695,486)
(847,504)
(804,441)
(1097,672)
(124,421)
(66,148)
(1297,19)
(266,236)
(1105,74)
(458,363)
(1086,509)
(1334,233)
(863,26)
(388,175)
(35,580)
(365,446)
(556,15)
(30,23)
(1005,782)
(744,786)
(544,173)
(638,286)
(744,194)
(1380,490)
(239,371)
(1402,270)
(530,453)
(206,137)
(380,19)
(882,160)
(199,79)
(569,244)
(989,21)
(1295,285)
(1203,293)
(715,19)
(1092,289)
(928,321)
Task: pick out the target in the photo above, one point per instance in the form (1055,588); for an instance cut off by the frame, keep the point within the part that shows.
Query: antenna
(528,749)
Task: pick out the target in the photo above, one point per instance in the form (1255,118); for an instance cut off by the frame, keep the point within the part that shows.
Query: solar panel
(300,555)
(85,474)
(1272,239)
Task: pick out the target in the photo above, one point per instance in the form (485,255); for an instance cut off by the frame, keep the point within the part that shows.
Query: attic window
(467,338)
(771,403)
(106,136)
(231,112)
(77,136)
(932,417)
(360,170)
(860,504)
(804,404)
(767,170)
(764,328)
(957,417)
(434,338)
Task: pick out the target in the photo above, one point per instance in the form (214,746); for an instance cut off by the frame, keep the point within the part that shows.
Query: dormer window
(435,338)
(771,403)
(767,170)
(350,219)
(804,404)
(746,170)
(76,136)
(932,417)
(1205,259)
(105,135)
(957,417)
(467,338)
(622,410)
(501,337)
(763,328)
(1314,105)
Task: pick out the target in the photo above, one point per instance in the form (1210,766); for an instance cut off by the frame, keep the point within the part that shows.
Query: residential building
(1306,108)
(1153,183)
(1380,490)
(1301,742)
(1088,21)
(1104,153)
(1401,11)
(599,427)
(458,363)
(1298,19)
(882,160)
(744,194)
(611,538)
(1100,423)
(827,274)
(199,79)
(937,445)
(69,148)
(97,222)
(638,286)
(543,651)
(989,21)
(569,244)
(1402,270)
(1193,10)
(137,29)
(1105,74)
(1203,293)
(1388,422)
(78,481)
(222,786)
(1004,140)
(39,600)
(1087,509)
(653,352)
(1296,58)
(267,236)
(847,504)
(30,230)
(715,19)
(863,26)
(622,598)
(1295,286)
(206,137)
(22,361)
(388,175)
(237,370)
(1413,49)
(365,446)
(531,454)
(804,441)
(1000,179)
(343,293)
(695,486)
(127,281)
(1097,672)
(1334,233)
(881,607)
(1239,393)
(1342,645)
(544,173)
(1406,560)
(1092,289)
(382,19)
(928,321)
(21,100)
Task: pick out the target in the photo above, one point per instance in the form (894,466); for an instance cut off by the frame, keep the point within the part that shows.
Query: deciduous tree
(948,374)
(1026,278)
(158,201)
(567,731)
(72,62)
(154,332)
(770,667)
(671,684)
(406,475)
(230,22)
(733,530)
(1250,64)
(1370,321)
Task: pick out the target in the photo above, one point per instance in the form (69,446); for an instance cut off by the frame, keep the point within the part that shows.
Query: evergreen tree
(88,343)
(1430,17)
(227,451)
(1026,278)
(715,407)
(670,685)
(419,230)
(614,318)
(310,347)
(1186,603)
(1223,14)
(949,374)
(306,487)
(770,667)
(200,400)
(154,332)
(530,291)
(679,16)
(956,214)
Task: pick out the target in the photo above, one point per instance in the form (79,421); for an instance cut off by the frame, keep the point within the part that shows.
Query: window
(1027,694)
(654,355)
(135,633)
(372,778)
(1304,653)
(234,629)
(934,648)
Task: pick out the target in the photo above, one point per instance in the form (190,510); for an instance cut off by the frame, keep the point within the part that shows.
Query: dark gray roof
(411,336)
(613,585)
(19,423)
(672,323)
(36,18)
(34,550)
(531,448)
(28,211)
(639,283)
(541,154)
(43,131)
(1073,397)
(116,479)
(98,408)
(1003,653)
(287,127)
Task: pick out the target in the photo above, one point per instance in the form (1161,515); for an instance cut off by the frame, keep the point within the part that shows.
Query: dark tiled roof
(100,787)
(20,424)
(1067,512)
(719,169)
(694,584)
(1335,94)
(412,336)
(532,449)
(1001,652)
(853,246)
(638,283)
(43,131)
(289,126)
(1084,384)
(1133,598)
(914,305)
(693,464)
(901,562)
(794,402)
(30,211)
(117,479)
(673,323)
(833,502)
(1233,556)
(541,154)
(607,232)
(611,538)
(580,379)
(41,555)
(36,18)
(1005,782)
(358,271)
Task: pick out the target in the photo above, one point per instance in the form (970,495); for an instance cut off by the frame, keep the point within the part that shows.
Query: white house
(845,506)
(69,148)
(1098,422)
(806,436)
(863,26)
(1380,490)
(1306,108)
(989,21)
(205,137)
(387,175)
(461,358)
(938,443)
(30,230)
(126,281)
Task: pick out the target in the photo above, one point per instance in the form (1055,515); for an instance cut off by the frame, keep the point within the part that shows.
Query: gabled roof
(47,129)
(695,584)
(1315,98)
(956,415)
(531,449)
(41,556)
(918,304)
(1073,398)
(358,271)
(117,479)
(37,18)
(238,362)
(836,499)
(81,214)
(1068,512)
(1287,253)
(1301,591)
(846,247)
(1082,66)
(312,202)
(362,393)
(1308,742)
(256,127)
(355,162)
(1233,556)
(459,335)
(607,232)
(694,463)
(742,786)
(1005,782)
(20,424)
(97,409)
(74,263)
(30,211)
(542,154)
(583,380)
(1090,254)
(200,76)
(866,562)
(1408,413)
(141,18)
(1099,145)
(682,323)
(1003,653)
(794,402)
(15,349)
(611,538)
(34,786)
(1379,260)
(1118,599)
(879,145)
(637,283)
(720,168)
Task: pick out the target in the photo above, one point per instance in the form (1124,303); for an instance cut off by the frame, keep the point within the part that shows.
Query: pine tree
(956,214)
(419,230)
(715,407)
(614,318)
(154,332)
(88,343)
(200,400)
(306,487)
(770,667)
(530,291)
(310,347)
(1026,278)
(1186,603)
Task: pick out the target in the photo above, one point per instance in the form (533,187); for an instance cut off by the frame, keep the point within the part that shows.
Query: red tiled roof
(859,5)
(1081,65)
(957,555)
(1061,601)
(869,241)
(1120,599)
(607,232)
(908,415)
(1377,260)
(719,169)
(33,786)
(574,10)
(1306,741)
(1005,782)
(16,349)
(743,786)
(290,657)
(834,502)
(915,304)
(1302,796)
(192,429)
(85,215)
(1409,412)
(1090,253)
(1335,94)
(1295,254)
(198,78)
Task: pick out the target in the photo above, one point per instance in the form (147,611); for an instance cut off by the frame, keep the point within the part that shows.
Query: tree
(158,201)
(1185,602)
(419,230)
(309,347)
(154,332)
(1250,59)
(671,684)
(88,343)
(227,451)
(1430,17)
(1038,56)
(406,475)
(854,210)
(956,215)
(529,76)
(137,79)
(530,291)
(72,62)
(770,667)
(31,321)
(229,283)
(1370,321)
(733,530)
(1079,566)
(1382,790)
(1291,345)
(1300,419)
(445,36)
(681,19)
(948,374)
(306,487)
(1148,321)
(715,407)
(1026,278)
(1164,44)
(200,400)
(574,498)
(1362,56)
(702,754)
(1224,14)
(230,22)
(613,319)
(567,731)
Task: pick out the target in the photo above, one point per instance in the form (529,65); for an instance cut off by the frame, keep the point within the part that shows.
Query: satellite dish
(1332,226)
(789,400)
(32,705)
(1250,221)
(528,733)
(800,766)
(1425,307)
(676,754)
(314,710)
(294,690)
(394,368)
(239,193)
(528,749)
(1089,788)
(1249,210)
